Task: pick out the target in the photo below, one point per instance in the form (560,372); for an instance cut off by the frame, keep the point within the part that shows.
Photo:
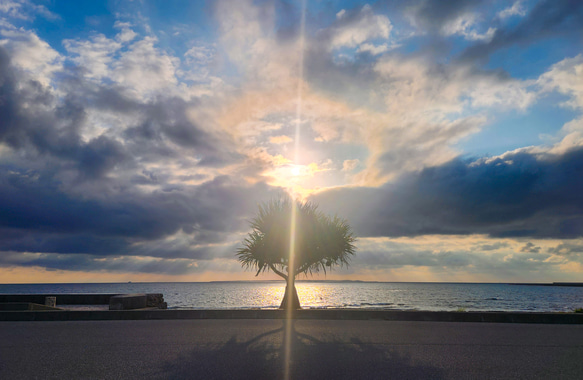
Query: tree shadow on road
(263,357)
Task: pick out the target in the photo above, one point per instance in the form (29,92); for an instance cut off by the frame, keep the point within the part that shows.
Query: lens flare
(292,240)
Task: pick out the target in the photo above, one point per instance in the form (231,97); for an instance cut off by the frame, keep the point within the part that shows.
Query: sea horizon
(302,280)
(333,294)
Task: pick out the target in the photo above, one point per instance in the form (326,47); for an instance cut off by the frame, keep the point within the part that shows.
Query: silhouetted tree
(320,242)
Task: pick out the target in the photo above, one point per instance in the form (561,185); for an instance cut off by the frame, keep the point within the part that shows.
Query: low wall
(388,315)
(62,299)
(150,300)
(128,302)
(21,306)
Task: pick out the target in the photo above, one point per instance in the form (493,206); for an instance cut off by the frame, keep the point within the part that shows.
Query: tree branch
(277,272)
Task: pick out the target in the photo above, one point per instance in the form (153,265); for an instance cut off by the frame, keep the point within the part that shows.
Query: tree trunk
(290,293)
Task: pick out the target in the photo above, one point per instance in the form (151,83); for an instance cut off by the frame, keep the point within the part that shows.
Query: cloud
(126,34)
(548,19)
(455,258)
(163,126)
(49,127)
(38,217)
(88,263)
(119,154)
(464,26)
(93,56)
(280,139)
(72,185)
(493,246)
(350,165)
(199,64)
(12,8)
(30,54)
(428,107)
(355,27)
(421,108)
(200,55)
(145,70)
(372,49)
(564,77)
(517,195)
(25,10)
(568,249)
(406,111)
(440,15)
(530,247)
(400,256)
(517,9)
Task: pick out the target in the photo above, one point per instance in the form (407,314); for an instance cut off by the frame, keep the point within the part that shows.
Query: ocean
(322,295)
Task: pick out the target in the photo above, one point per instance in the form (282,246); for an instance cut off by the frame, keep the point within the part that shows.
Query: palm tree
(321,241)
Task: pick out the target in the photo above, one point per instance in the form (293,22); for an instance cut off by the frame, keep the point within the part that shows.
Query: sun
(296,170)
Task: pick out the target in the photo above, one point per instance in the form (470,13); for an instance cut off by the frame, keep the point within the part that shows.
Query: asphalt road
(318,349)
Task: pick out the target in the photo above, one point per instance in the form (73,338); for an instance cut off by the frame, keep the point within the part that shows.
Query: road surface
(311,349)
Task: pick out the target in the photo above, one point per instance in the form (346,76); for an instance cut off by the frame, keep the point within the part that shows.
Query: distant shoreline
(575,284)
(571,284)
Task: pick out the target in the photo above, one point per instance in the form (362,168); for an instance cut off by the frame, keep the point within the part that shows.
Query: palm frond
(321,241)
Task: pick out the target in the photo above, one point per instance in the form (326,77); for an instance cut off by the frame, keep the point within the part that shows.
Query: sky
(138,137)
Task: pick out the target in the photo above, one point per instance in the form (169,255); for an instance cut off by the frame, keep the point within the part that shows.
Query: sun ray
(291,261)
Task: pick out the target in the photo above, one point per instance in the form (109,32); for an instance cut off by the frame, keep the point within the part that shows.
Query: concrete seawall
(330,314)
(115,301)
(62,299)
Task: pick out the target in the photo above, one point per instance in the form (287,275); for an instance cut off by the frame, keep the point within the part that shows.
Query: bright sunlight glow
(295,171)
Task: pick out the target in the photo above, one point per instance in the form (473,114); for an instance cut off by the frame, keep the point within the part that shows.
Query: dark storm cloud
(37,123)
(43,209)
(36,216)
(89,263)
(519,195)
(547,19)
(32,121)
(167,121)
(65,243)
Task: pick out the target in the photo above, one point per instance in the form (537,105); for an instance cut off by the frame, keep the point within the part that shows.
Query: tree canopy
(321,241)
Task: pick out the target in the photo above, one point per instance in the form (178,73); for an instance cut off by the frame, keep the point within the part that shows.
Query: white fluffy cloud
(464,25)
(566,77)
(372,49)
(12,9)
(25,10)
(350,31)
(32,54)
(94,56)
(126,34)
(145,69)
(517,9)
